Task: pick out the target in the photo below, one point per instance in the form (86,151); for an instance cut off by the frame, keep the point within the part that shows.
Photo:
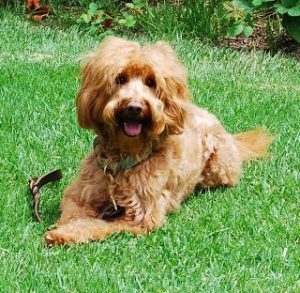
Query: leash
(35,184)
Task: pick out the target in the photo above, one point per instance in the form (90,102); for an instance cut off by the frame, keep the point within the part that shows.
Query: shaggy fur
(135,98)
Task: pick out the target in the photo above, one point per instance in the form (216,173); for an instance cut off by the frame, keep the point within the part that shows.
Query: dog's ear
(96,85)
(172,85)
(173,97)
(173,71)
(85,98)
(174,115)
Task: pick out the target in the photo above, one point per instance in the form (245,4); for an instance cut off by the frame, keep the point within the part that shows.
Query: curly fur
(179,148)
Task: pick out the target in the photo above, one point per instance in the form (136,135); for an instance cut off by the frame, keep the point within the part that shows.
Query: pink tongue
(132,128)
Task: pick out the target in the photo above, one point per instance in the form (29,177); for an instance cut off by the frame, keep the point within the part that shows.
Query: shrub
(105,16)
(243,14)
(202,18)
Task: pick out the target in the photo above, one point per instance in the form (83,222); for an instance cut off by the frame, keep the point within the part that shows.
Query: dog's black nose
(131,111)
(134,109)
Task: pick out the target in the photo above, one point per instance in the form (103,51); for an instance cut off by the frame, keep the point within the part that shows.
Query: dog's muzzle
(133,119)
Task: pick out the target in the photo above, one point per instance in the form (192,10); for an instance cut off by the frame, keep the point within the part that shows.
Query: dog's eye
(121,79)
(150,82)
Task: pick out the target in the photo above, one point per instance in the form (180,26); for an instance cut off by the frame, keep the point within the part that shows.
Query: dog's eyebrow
(138,69)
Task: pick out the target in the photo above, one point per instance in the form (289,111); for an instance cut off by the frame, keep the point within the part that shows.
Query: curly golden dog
(153,146)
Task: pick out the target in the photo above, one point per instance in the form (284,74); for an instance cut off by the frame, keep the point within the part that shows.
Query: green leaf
(242,4)
(228,6)
(130,5)
(129,21)
(93,8)
(260,2)
(121,21)
(86,17)
(292,25)
(294,11)
(281,9)
(257,2)
(248,31)
(236,29)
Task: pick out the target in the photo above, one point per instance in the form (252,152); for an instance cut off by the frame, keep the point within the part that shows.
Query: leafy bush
(165,18)
(243,14)
(104,17)
(202,18)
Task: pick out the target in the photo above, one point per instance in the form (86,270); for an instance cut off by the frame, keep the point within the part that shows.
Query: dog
(153,147)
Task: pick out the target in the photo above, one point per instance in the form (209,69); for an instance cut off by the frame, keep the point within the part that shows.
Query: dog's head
(132,91)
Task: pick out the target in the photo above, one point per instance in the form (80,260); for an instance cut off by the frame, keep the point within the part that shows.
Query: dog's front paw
(56,237)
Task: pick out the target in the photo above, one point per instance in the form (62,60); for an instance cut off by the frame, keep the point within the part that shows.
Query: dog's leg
(82,199)
(223,166)
(84,230)
(73,208)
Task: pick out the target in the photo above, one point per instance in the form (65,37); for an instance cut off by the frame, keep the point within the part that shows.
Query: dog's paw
(55,237)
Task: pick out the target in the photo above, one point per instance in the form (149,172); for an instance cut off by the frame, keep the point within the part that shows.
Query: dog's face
(133,108)
(132,92)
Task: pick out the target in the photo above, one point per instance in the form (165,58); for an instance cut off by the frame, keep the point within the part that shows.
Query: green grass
(203,19)
(242,239)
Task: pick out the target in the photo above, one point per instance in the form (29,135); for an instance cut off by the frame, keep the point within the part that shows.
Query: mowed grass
(242,239)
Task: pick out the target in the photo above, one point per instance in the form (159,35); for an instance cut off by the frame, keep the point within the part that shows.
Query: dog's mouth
(133,124)
(132,128)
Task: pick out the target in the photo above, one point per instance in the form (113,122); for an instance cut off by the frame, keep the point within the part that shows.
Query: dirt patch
(264,39)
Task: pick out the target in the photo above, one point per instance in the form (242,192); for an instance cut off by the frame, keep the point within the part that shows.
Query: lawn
(242,239)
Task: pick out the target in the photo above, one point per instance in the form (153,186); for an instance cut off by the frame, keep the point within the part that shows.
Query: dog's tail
(253,144)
